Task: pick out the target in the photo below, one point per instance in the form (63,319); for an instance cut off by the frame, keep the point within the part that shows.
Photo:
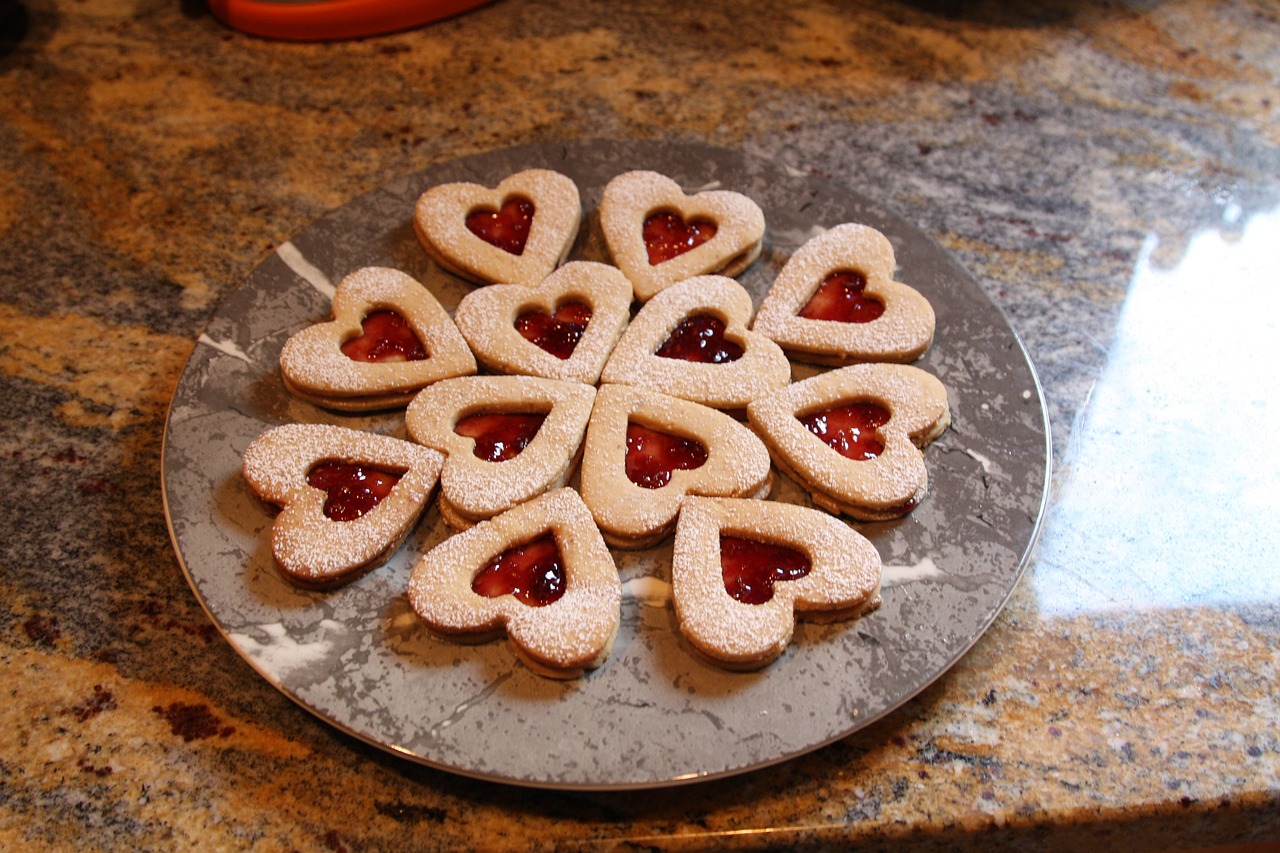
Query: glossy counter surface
(1108,173)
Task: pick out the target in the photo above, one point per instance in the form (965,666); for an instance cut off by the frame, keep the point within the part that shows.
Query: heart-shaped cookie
(692,341)
(658,236)
(507,438)
(835,302)
(539,571)
(563,328)
(516,233)
(743,571)
(645,451)
(388,339)
(347,498)
(852,436)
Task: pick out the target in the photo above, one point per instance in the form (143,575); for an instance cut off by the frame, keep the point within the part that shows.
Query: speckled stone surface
(1106,171)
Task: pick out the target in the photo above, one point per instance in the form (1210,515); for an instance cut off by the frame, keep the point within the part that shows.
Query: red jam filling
(700,338)
(751,568)
(385,335)
(507,228)
(353,489)
(852,430)
(840,297)
(653,455)
(533,573)
(556,333)
(499,436)
(667,235)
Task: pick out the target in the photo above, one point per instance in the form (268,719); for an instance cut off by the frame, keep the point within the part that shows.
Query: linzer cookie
(540,572)
(743,571)
(507,438)
(347,498)
(852,436)
(692,341)
(658,236)
(516,233)
(645,451)
(835,302)
(388,339)
(562,328)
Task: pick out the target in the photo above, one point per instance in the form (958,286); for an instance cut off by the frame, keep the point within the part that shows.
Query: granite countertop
(1106,171)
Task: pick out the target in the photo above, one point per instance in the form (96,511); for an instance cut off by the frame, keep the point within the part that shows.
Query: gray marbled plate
(653,714)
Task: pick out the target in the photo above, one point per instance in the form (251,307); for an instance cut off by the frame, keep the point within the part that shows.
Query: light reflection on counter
(1169,491)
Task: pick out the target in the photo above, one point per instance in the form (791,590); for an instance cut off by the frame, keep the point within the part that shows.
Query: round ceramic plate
(654,714)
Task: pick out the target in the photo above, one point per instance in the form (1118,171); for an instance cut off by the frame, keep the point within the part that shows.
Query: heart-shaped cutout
(347,498)
(507,227)
(565,327)
(479,480)
(700,338)
(653,455)
(534,573)
(852,430)
(470,587)
(385,335)
(658,235)
(367,356)
(751,568)
(822,431)
(702,318)
(634,514)
(499,436)
(743,571)
(842,298)
(835,302)
(557,332)
(667,235)
(351,489)
(516,233)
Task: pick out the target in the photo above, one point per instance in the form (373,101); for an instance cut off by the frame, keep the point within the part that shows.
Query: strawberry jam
(840,297)
(508,228)
(533,573)
(499,436)
(700,338)
(556,333)
(653,455)
(353,489)
(751,568)
(385,335)
(667,235)
(852,430)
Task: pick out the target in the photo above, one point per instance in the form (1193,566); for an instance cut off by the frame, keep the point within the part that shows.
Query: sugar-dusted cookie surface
(515,233)
(852,436)
(540,572)
(743,571)
(388,339)
(692,341)
(658,235)
(564,327)
(507,439)
(347,498)
(835,302)
(645,451)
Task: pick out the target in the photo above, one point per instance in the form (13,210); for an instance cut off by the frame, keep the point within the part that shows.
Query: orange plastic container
(333,20)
